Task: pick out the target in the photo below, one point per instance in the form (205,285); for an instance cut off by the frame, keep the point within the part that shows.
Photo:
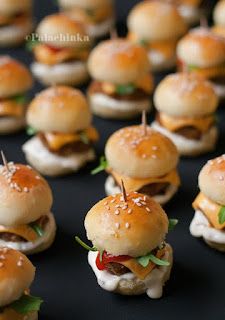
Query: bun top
(11,7)
(133,227)
(202,48)
(185,95)
(136,154)
(63,32)
(59,109)
(16,275)
(156,21)
(15,77)
(25,196)
(67,4)
(118,61)
(219,13)
(212,180)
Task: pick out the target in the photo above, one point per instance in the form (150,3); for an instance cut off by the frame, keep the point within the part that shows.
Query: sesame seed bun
(201,48)
(9,314)
(52,28)
(67,4)
(60,109)
(131,153)
(118,61)
(15,77)
(133,230)
(212,180)
(16,273)
(185,95)
(11,7)
(24,197)
(219,13)
(146,18)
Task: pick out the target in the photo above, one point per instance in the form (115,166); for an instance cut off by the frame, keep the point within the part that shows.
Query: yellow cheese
(58,140)
(140,271)
(24,231)
(172,124)
(134,184)
(11,108)
(210,209)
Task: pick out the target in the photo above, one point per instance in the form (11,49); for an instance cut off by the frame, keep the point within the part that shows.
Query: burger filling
(13,107)
(188,127)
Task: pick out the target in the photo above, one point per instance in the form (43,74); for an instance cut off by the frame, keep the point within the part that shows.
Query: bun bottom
(200,227)
(188,147)
(50,164)
(191,14)
(39,245)
(107,107)
(161,63)
(129,284)
(220,90)
(70,73)
(11,124)
(112,188)
(13,35)
(101,29)
(10,314)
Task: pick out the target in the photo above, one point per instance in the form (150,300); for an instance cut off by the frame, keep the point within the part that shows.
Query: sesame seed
(144,156)
(105,203)
(138,204)
(154,156)
(108,207)
(1,264)
(37,177)
(221,178)
(117,206)
(113,200)
(124,207)
(127,225)
(144,203)
(154,148)
(117,212)
(117,225)
(25,189)
(2,257)
(147,209)
(20,263)
(129,211)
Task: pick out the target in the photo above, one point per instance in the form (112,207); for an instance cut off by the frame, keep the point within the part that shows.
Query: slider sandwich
(15,21)
(60,118)
(26,222)
(144,159)
(157,26)
(17,274)
(61,51)
(186,104)
(122,84)
(129,254)
(15,81)
(203,52)
(219,18)
(209,218)
(97,15)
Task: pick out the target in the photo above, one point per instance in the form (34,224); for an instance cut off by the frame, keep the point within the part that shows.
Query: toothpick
(4,161)
(204,22)
(123,191)
(113,34)
(144,123)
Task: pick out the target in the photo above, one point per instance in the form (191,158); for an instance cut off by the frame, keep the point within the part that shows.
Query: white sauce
(111,188)
(187,146)
(11,124)
(153,283)
(12,32)
(28,246)
(37,150)
(101,29)
(200,227)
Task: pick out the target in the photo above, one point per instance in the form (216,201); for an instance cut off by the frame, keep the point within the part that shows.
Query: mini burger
(61,51)
(97,15)
(156,26)
(15,81)
(203,52)
(186,105)
(61,121)
(130,255)
(145,160)
(15,21)
(209,219)
(26,222)
(122,83)
(17,274)
(219,18)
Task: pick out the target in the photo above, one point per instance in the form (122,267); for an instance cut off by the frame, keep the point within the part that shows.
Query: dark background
(63,278)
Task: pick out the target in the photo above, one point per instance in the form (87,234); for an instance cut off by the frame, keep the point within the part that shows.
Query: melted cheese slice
(11,108)
(210,209)
(134,184)
(140,271)
(24,231)
(173,124)
(57,140)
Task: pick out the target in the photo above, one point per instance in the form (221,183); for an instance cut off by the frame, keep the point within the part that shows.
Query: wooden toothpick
(144,123)
(204,22)
(113,34)
(4,160)
(123,191)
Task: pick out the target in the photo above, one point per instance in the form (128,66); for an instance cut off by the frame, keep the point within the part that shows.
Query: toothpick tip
(123,191)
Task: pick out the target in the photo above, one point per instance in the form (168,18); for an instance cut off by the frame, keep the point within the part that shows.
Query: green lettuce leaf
(125,89)
(31,131)
(38,229)
(222,215)
(103,164)
(172,224)
(32,42)
(145,260)
(20,99)
(84,138)
(84,245)
(27,304)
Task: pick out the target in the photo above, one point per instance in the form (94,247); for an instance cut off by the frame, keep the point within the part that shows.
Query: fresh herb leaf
(172,224)
(192,67)
(101,255)
(27,304)
(38,229)
(103,164)
(145,260)
(222,215)
(84,137)
(21,99)
(84,245)
(125,89)
(143,42)
(31,131)
(32,41)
